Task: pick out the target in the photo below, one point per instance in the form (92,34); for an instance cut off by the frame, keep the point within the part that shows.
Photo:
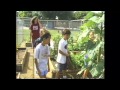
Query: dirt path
(29,71)
(28,67)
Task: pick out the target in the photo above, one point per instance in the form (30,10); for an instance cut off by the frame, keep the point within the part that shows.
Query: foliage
(92,59)
(62,15)
(80,14)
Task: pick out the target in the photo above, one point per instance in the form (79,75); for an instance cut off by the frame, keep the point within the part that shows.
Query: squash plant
(92,59)
(77,59)
(54,51)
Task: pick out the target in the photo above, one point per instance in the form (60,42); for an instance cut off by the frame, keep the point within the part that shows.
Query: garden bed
(17,75)
(20,59)
(29,44)
(71,73)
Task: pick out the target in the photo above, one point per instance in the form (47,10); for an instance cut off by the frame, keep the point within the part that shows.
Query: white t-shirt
(41,51)
(63,47)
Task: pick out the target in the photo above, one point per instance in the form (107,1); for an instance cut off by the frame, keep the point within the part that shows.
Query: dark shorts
(62,66)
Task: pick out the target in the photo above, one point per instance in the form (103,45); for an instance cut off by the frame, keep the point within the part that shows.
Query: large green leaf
(83,35)
(97,69)
(94,19)
(90,24)
(93,52)
(94,72)
(97,30)
(89,15)
(101,19)
(96,12)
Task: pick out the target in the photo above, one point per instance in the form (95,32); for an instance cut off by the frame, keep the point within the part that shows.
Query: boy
(42,53)
(63,53)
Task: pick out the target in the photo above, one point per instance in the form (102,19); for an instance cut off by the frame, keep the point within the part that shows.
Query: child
(42,53)
(35,28)
(63,53)
(39,40)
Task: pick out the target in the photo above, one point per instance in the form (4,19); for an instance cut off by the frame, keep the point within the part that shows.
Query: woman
(90,45)
(35,28)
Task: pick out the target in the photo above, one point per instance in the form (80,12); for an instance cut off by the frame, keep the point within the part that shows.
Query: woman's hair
(92,34)
(66,31)
(33,19)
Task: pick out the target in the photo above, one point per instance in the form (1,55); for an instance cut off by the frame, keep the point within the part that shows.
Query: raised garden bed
(71,73)
(29,44)
(17,75)
(20,59)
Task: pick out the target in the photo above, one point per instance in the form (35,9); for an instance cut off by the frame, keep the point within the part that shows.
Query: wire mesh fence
(19,31)
(23,32)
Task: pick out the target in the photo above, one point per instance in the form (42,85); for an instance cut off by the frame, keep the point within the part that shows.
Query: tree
(62,15)
(25,13)
(80,14)
(37,13)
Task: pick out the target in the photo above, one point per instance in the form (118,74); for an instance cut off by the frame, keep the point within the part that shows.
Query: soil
(28,70)
(71,73)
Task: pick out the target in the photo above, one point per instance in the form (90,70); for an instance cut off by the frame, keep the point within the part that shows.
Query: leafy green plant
(92,58)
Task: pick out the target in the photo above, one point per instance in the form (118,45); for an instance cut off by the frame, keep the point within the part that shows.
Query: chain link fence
(23,32)
(19,31)
(56,24)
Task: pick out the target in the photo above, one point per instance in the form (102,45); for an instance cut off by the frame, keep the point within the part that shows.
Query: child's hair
(33,19)
(43,31)
(45,34)
(39,40)
(66,31)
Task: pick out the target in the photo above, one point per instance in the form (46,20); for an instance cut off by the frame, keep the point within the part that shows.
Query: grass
(26,35)
(55,33)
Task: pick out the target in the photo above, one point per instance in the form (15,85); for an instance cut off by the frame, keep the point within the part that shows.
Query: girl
(35,28)
(42,53)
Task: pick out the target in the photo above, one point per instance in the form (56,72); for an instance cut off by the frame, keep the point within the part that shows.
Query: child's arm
(61,48)
(65,54)
(36,55)
(69,52)
(36,63)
